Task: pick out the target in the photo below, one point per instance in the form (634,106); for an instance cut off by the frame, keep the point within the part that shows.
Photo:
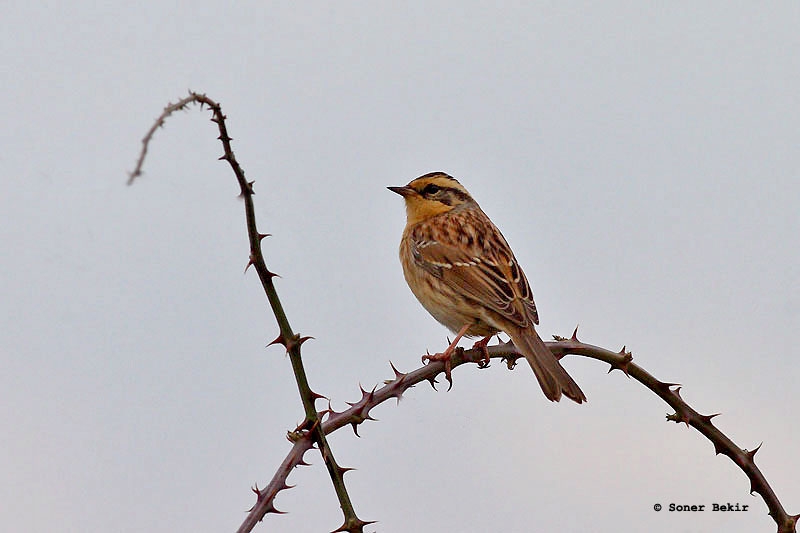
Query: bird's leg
(445,355)
(481,345)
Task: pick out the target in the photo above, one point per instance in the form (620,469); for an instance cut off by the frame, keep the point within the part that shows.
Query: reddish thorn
(752,453)
(262,236)
(707,418)
(397,374)
(677,392)
(301,340)
(249,264)
(280,339)
(575,334)
(272,509)
(355,428)
(664,386)
(319,397)
(622,351)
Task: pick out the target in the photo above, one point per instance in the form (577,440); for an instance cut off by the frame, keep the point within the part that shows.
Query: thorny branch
(290,340)
(317,425)
(622,360)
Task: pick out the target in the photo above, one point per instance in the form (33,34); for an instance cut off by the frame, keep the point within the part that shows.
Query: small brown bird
(461,269)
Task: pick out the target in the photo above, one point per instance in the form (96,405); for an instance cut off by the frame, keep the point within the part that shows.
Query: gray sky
(642,160)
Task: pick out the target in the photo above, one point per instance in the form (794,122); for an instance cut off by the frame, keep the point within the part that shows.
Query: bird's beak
(404,191)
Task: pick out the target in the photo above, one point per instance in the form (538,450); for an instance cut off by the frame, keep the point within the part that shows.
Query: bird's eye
(431,189)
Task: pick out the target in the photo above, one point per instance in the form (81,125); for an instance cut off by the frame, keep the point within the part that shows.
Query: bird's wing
(488,274)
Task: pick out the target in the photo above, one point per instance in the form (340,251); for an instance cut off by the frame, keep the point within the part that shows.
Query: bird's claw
(448,365)
(481,345)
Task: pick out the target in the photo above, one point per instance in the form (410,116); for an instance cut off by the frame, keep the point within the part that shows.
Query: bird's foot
(446,358)
(481,345)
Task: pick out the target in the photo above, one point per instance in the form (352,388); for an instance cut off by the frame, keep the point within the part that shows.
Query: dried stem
(622,360)
(310,428)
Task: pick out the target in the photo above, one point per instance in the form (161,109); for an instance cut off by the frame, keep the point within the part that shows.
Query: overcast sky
(641,159)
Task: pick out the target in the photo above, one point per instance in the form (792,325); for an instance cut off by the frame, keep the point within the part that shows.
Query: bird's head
(431,195)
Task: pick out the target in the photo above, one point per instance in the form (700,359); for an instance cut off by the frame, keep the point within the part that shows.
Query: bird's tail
(552,377)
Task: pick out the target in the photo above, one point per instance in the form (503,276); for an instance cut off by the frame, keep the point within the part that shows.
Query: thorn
(752,487)
(296,341)
(271,509)
(718,449)
(665,387)
(398,376)
(250,263)
(355,428)
(433,382)
(343,470)
(353,525)
(677,392)
(575,334)
(707,418)
(280,339)
(752,453)
(622,351)
(621,365)
(316,396)
(262,236)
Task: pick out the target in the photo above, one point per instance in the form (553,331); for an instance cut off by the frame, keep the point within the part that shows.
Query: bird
(463,272)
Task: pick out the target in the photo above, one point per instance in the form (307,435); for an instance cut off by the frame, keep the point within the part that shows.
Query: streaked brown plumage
(461,269)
